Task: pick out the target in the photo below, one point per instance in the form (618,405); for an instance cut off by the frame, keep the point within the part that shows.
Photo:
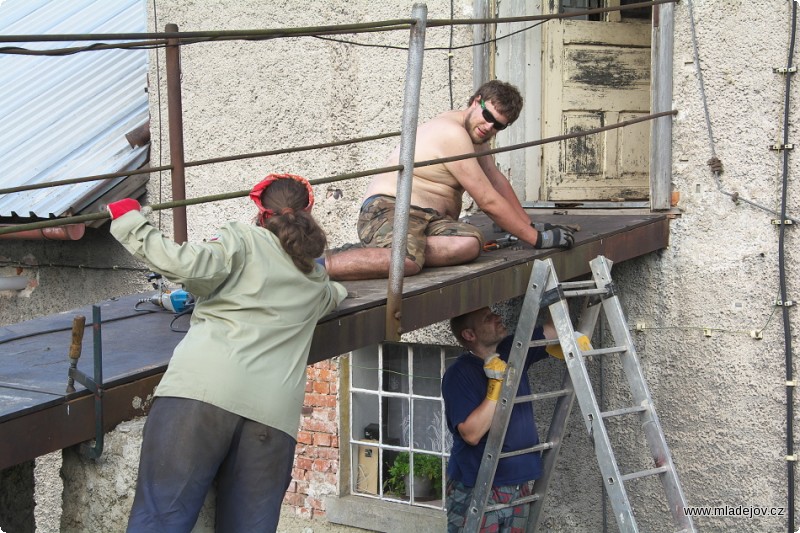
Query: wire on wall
(716,168)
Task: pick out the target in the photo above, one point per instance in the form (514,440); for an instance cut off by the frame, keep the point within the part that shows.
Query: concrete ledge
(386,517)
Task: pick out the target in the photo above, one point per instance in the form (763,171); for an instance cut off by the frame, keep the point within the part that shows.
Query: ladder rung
(578,284)
(541,396)
(643,473)
(585,292)
(512,503)
(543,342)
(623,411)
(604,351)
(538,448)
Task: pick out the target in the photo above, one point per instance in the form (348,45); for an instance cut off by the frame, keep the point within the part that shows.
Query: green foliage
(425,466)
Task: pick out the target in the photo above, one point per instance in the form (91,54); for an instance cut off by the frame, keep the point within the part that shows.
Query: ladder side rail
(561,412)
(514,374)
(651,425)
(555,436)
(612,478)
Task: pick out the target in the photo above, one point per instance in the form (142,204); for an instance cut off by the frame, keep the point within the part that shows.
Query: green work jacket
(253,320)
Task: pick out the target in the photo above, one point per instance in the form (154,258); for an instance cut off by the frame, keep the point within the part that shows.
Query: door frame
(524,170)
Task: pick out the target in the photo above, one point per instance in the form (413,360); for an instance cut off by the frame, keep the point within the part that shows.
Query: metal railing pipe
(176,155)
(408,139)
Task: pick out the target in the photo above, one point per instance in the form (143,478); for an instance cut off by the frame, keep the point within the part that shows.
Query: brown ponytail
(299,234)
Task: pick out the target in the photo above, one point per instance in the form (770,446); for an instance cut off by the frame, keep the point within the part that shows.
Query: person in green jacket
(228,407)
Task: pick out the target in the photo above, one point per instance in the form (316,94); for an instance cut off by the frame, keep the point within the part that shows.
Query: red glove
(117,209)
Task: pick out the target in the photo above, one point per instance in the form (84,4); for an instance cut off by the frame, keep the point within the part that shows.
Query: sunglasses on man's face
(488,117)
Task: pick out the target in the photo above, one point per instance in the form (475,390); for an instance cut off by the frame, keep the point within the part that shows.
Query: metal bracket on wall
(778,222)
(778,147)
(784,70)
(95,386)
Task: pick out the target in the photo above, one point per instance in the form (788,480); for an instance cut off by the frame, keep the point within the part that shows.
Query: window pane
(427,480)
(396,421)
(365,416)
(365,468)
(364,363)
(427,371)
(395,368)
(428,425)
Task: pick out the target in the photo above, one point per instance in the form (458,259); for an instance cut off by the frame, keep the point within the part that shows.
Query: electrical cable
(159,40)
(714,162)
(716,169)
(68,328)
(787,330)
(22,264)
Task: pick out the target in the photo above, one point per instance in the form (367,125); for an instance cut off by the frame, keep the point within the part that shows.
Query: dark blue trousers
(188,445)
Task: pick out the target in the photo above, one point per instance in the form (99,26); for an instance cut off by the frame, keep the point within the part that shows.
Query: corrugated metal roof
(67,116)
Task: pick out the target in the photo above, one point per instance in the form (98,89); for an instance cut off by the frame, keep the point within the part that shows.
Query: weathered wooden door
(596,73)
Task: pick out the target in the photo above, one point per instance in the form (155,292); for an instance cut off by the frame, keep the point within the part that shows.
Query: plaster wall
(721,398)
(251,96)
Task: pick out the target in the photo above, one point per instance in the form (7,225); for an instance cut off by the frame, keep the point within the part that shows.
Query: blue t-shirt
(463,389)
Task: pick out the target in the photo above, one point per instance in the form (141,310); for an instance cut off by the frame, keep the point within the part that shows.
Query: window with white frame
(399,440)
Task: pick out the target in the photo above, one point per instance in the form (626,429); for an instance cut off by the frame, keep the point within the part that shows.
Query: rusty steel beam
(342,335)
(71,421)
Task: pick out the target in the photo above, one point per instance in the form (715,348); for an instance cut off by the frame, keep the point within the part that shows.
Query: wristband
(493,389)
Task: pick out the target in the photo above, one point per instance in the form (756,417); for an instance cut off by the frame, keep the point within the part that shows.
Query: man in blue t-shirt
(470,389)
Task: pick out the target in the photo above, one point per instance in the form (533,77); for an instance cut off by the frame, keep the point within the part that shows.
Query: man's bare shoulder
(450,121)
(446,131)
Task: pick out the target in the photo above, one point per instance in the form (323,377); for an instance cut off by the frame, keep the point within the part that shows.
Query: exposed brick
(321,400)
(304,437)
(322,439)
(303,463)
(320,426)
(331,454)
(321,465)
(295,499)
(320,387)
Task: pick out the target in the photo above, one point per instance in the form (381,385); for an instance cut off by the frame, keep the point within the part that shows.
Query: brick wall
(316,464)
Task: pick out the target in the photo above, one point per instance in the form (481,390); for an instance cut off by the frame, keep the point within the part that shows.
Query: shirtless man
(435,236)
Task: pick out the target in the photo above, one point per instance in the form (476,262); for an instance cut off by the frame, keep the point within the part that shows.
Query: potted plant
(427,475)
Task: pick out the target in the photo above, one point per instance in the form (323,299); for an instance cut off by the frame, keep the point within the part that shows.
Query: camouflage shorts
(376,226)
(507,520)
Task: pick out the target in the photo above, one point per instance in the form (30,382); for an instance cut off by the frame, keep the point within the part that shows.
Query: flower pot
(422,487)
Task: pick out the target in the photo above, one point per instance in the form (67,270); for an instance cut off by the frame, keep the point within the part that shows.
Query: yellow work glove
(495,370)
(583,343)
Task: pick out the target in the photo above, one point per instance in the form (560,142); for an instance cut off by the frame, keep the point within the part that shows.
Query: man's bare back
(433,186)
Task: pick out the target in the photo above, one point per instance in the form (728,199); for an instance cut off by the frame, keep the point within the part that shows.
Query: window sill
(377,515)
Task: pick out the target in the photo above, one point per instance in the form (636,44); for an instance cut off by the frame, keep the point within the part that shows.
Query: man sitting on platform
(435,236)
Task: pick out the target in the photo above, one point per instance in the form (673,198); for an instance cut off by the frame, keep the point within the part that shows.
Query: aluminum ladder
(544,290)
